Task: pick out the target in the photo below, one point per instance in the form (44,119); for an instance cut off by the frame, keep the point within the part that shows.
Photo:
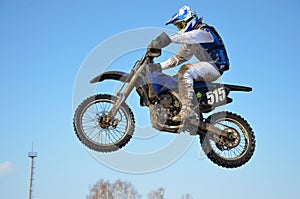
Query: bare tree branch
(157,194)
(118,190)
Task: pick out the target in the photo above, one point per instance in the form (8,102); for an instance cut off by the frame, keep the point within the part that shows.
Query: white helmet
(185,19)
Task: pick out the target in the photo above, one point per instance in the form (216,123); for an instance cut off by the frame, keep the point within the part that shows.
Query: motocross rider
(200,40)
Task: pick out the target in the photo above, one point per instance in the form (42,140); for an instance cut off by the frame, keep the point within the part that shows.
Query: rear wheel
(92,129)
(232,151)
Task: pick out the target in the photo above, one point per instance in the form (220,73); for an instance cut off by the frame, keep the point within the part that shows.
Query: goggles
(180,25)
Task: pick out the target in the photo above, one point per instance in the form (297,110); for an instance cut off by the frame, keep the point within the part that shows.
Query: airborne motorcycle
(105,123)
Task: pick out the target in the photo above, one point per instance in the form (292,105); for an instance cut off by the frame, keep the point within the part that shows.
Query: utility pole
(31,155)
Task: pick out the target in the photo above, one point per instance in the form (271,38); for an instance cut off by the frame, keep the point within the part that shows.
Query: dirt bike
(105,123)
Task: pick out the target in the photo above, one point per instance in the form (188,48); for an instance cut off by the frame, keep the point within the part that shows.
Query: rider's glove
(155,68)
(154,48)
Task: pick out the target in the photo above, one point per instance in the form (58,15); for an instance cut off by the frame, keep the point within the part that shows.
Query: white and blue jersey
(204,43)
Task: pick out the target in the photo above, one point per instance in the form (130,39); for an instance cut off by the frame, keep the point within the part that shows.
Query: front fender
(115,75)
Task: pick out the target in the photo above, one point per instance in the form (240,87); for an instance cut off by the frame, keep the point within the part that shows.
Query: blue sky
(43,46)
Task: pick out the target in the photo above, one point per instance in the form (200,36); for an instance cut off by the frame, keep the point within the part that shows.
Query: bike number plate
(212,95)
(216,96)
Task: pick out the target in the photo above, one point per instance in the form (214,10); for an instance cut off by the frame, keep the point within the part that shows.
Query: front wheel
(232,151)
(98,135)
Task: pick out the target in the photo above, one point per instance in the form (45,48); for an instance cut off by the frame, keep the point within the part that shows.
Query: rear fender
(238,88)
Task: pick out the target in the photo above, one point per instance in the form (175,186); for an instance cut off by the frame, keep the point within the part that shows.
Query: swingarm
(203,127)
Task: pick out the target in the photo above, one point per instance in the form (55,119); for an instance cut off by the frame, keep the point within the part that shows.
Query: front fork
(122,96)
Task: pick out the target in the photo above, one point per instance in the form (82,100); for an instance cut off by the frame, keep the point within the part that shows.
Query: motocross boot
(186,94)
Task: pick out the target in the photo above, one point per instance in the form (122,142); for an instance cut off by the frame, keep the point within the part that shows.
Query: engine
(167,107)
